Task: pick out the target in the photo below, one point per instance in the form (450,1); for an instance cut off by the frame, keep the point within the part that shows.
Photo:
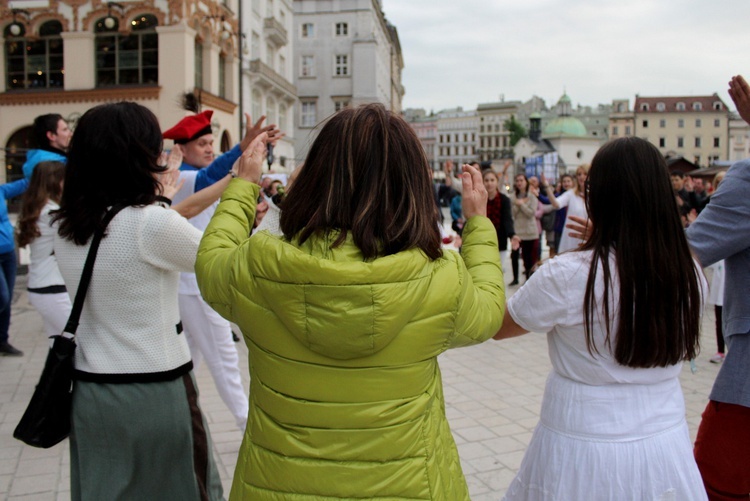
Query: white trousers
(210,338)
(54,309)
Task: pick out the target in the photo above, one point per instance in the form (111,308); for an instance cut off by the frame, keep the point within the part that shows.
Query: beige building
(66,56)
(456,136)
(494,138)
(621,119)
(739,138)
(346,53)
(693,127)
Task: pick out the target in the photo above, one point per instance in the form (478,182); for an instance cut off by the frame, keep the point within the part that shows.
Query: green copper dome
(565,126)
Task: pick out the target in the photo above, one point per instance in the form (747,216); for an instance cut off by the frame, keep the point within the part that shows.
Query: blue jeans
(7,281)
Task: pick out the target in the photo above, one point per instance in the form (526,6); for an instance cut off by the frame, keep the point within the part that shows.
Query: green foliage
(517,131)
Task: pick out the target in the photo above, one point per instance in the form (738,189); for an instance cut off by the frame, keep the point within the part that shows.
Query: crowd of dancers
(345,296)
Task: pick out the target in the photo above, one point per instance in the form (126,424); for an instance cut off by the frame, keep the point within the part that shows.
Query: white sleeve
(564,199)
(542,302)
(168,240)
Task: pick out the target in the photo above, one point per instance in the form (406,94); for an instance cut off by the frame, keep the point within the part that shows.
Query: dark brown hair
(631,205)
(366,173)
(45,184)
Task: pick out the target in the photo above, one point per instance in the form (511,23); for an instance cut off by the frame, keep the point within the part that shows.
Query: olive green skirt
(141,441)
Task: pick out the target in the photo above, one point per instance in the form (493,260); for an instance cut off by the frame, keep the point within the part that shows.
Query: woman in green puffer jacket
(345,315)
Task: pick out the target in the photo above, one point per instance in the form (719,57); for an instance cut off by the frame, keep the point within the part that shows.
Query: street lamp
(16,28)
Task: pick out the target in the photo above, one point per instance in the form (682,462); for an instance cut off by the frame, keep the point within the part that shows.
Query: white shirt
(43,270)
(576,207)
(129,316)
(552,302)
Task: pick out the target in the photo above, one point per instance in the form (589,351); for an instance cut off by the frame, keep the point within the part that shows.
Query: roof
(565,126)
(670,104)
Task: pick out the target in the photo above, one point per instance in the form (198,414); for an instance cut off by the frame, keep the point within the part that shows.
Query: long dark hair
(112,160)
(366,173)
(515,188)
(634,215)
(45,184)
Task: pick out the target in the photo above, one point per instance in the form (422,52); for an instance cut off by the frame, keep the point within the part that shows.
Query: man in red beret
(208,334)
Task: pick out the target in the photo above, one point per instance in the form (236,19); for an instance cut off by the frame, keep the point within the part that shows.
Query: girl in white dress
(621,314)
(46,287)
(575,201)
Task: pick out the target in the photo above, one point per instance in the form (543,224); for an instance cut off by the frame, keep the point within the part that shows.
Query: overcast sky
(461,53)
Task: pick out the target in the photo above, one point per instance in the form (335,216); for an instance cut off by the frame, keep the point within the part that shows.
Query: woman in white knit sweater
(137,430)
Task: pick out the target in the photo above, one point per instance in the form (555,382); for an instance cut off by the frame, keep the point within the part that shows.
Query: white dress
(606,431)
(576,207)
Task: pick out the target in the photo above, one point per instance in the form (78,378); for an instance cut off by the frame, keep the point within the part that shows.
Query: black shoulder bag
(46,421)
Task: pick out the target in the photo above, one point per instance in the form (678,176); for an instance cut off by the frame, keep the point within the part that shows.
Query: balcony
(269,79)
(274,32)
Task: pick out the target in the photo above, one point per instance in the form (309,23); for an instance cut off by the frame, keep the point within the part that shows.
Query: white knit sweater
(128,323)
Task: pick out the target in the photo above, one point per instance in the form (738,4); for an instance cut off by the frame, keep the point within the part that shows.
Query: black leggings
(530,251)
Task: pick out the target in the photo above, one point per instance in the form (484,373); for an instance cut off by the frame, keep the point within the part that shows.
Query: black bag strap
(88,268)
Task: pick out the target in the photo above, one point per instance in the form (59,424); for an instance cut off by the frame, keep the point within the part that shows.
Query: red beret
(191,127)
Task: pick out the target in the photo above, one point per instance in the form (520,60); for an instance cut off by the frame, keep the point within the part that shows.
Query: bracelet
(233,173)
(166,202)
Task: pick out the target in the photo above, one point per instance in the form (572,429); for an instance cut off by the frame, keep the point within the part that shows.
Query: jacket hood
(33,157)
(344,307)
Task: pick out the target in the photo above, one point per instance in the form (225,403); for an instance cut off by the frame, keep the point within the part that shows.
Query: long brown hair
(366,173)
(630,203)
(45,184)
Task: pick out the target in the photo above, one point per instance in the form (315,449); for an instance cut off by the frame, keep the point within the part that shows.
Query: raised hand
(739,91)
(474,200)
(250,164)
(254,130)
(170,183)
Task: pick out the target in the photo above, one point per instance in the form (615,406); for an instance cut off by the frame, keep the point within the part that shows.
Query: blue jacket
(8,191)
(33,157)
(216,171)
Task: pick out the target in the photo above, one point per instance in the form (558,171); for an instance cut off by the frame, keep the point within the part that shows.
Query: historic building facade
(345,54)
(66,56)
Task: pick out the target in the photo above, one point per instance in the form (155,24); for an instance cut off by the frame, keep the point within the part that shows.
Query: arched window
(37,63)
(127,59)
(222,76)
(697,106)
(198,60)
(660,107)
(226,142)
(680,106)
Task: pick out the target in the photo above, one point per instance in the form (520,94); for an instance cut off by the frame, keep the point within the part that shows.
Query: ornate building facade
(66,56)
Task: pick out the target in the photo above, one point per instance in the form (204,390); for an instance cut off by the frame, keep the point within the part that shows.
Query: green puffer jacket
(346,398)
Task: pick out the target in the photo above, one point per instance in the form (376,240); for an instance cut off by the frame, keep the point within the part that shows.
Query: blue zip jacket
(33,157)
(8,191)
(216,171)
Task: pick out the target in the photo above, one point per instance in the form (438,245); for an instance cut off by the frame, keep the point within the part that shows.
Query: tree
(517,131)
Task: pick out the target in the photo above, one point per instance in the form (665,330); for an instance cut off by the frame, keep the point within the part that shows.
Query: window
(35,63)
(662,123)
(342,29)
(198,61)
(270,56)
(341,65)
(223,76)
(282,66)
(680,106)
(309,114)
(680,123)
(660,107)
(255,46)
(680,142)
(341,103)
(269,8)
(698,121)
(697,159)
(717,122)
(697,106)
(698,142)
(645,124)
(718,106)
(627,130)
(662,142)
(644,107)
(256,104)
(614,130)
(271,115)
(308,30)
(308,66)
(127,59)
(717,142)
(282,117)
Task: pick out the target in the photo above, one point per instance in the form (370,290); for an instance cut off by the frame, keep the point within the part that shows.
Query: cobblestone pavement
(493,395)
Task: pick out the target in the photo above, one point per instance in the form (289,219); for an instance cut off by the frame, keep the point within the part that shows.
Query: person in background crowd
(525,211)
(137,431)
(46,287)
(567,182)
(346,314)
(52,137)
(722,447)
(501,215)
(209,335)
(678,185)
(575,200)
(716,294)
(621,314)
